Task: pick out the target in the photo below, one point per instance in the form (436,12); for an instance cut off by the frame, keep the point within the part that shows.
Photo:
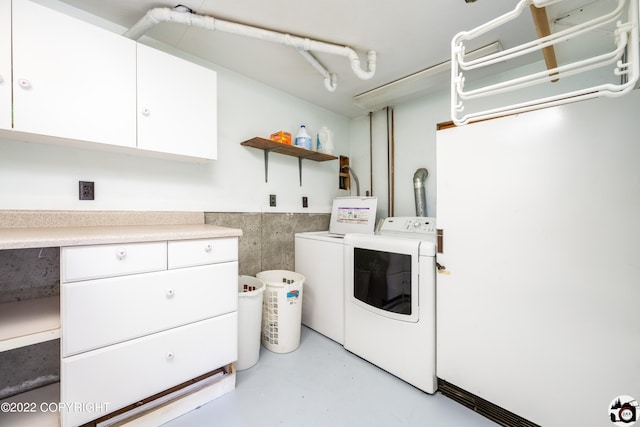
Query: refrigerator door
(539,304)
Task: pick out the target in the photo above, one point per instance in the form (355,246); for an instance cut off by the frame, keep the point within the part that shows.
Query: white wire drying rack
(621,59)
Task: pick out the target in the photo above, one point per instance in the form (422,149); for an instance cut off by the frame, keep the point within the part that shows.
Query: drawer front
(187,253)
(93,262)
(101,312)
(127,372)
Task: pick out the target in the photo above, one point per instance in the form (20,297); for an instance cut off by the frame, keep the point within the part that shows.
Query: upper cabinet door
(177,105)
(5,64)
(71,79)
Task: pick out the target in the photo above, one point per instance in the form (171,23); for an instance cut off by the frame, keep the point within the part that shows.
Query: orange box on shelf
(281,137)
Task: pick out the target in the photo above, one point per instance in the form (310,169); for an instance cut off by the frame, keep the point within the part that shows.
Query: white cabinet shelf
(5,64)
(177,105)
(71,79)
(197,301)
(189,325)
(34,417)
(29,322)
(67,82)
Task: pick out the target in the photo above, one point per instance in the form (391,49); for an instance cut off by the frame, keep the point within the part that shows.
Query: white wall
(34,176)
(248,109)
(44,177)
(415,147)
(415,138)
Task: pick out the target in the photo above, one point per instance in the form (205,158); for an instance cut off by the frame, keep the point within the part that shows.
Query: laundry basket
(250,295)
(282,310)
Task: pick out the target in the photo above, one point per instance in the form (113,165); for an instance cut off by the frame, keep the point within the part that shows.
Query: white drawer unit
(144,303)
(93,262)
(187,253)
(127,372)
(140,318)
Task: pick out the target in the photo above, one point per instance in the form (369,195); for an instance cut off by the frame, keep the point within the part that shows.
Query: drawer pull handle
(170,355)
(208,248)
(170,293)
(24,83)
(121,253)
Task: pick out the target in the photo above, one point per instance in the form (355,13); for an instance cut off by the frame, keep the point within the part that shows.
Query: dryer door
(381,275)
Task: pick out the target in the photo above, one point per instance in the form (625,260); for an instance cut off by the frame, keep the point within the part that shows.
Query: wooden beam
(541,23)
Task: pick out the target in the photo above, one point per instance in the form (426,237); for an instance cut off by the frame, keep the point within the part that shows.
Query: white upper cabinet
(71,79)
(64,79)
(177,105)
(5,64)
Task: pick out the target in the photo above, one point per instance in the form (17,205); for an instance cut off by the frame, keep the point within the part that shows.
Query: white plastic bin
(249,320)
(282,310)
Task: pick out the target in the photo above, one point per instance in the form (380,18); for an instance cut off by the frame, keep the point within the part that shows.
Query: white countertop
(40,237)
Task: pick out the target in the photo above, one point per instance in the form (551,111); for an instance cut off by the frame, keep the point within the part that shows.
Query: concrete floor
(321,384)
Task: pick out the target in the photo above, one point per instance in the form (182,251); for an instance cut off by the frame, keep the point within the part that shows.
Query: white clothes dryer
(390,304)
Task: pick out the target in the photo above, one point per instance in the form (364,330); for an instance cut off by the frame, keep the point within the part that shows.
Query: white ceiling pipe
(330,79)
(302,44)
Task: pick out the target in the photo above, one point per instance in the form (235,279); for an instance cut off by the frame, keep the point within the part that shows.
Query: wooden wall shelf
(289,150)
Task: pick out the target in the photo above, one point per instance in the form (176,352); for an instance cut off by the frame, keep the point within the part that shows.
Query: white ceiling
(408,36)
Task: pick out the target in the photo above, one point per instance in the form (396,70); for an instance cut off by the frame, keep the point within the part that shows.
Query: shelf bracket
(300,159)
(266,163)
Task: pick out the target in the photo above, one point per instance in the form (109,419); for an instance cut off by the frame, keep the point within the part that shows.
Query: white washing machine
(319,257)
(390,299)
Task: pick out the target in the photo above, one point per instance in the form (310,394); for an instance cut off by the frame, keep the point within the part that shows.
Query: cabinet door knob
(24,83)
(170,293)
(121,253)
(146,111)
(208,247)
(170,355)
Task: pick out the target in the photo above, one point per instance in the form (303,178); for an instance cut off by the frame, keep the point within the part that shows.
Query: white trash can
(250,295)
(282,310)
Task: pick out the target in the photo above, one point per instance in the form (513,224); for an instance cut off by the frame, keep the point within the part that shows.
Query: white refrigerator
(538,296)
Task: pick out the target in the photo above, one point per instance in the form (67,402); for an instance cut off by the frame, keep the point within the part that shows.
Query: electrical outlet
(272,200)
(305,202)
(86,190)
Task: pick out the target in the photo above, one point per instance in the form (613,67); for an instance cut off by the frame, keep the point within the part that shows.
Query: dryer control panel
(410,224)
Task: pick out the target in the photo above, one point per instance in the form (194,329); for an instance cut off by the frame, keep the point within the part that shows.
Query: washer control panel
(400,224)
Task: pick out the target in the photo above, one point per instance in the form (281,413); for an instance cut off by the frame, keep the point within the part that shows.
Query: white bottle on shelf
(324,142)
(302,138)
